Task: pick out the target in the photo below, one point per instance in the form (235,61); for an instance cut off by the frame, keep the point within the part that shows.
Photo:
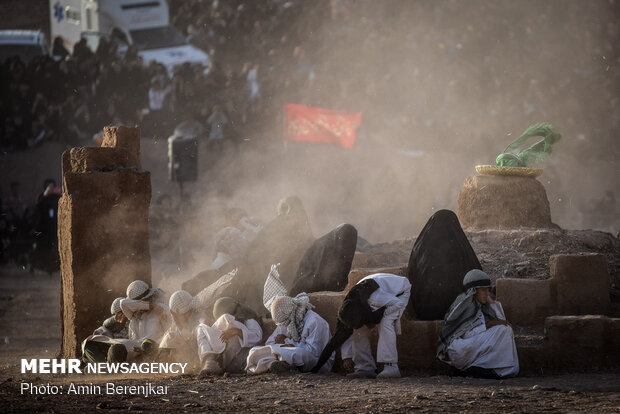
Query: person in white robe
(148,314)
(476,340)
(188,311)
(296,343)
(378,299)
(224,345)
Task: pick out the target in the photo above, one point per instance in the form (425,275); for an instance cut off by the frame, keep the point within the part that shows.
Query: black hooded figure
(440,257)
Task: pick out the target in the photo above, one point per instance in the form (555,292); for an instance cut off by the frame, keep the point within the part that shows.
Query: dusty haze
(442,86)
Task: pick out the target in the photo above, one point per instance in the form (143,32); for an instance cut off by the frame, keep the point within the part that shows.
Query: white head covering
(181,302)
(138,290)
(274,287)
(290,312)
(116,305)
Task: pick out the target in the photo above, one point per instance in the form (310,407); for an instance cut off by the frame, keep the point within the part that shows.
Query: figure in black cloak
(45,254)
(440,257)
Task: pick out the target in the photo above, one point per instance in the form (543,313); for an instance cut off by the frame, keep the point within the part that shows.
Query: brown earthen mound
(503,202)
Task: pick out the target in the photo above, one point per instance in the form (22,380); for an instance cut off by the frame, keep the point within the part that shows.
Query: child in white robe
(224,346)
(476,339)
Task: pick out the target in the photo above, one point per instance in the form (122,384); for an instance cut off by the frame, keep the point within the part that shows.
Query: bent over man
(224,346)
(378,299)
(476,340)
(297,341)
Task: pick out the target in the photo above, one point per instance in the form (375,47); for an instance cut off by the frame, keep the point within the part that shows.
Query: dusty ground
(29,322)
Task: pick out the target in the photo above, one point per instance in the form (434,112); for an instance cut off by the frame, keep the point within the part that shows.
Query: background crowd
(450,77)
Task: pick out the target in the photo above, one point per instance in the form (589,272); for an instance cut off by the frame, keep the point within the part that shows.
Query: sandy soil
(29,321)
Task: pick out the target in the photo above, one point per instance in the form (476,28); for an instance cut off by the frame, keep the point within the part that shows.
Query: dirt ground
(30,325)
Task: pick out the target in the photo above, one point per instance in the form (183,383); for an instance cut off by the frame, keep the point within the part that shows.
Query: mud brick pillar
(102,231)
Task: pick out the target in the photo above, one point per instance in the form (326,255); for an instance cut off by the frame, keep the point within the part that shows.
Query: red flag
(305,123)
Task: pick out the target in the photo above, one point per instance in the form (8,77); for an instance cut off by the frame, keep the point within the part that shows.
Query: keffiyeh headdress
(290,312)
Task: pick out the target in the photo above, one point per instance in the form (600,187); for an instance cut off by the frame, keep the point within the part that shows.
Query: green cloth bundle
(533,155)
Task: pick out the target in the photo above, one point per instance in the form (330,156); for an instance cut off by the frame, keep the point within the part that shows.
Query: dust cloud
(442,86)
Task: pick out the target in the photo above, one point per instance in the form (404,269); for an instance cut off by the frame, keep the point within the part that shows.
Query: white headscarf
(290,312)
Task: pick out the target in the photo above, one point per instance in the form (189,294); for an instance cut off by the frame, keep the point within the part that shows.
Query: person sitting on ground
(378,299)
(116,325)
(109,342)
(148,314)
(187,313)
(296,342)
(476,340)
(224,346)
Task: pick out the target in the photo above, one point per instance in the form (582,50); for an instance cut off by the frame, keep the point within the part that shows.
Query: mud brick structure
(579,285)
(102,231)
(503,202)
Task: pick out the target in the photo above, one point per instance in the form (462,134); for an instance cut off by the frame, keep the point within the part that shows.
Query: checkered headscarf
(290,312)
(274,287)
(207,296)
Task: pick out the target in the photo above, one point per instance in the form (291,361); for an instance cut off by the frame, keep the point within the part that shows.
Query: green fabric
(149,348)
(533,155)
(96,351)
(117,353)
(232,307)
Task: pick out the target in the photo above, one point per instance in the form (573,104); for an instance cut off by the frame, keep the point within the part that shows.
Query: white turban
(290,312)
(138,290)
(116,305)
(180,302)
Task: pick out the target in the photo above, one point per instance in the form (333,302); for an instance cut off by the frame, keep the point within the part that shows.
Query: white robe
(393,293)
(145,323)
(208,337)
(492,348)
(303,354)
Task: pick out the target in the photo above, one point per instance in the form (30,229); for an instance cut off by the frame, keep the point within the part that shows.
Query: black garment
(354,313)
(440,258)
(326,264)
(283,240)
(112,325)
(45,255)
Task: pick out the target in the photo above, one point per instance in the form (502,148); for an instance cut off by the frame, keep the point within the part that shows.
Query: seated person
(148,314)
(296,342)
(224,346)
(180,339)
(378,299)
(116,325)
(476,340)
(109,342)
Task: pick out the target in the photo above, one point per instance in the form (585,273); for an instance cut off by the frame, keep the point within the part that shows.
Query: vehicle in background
(24,43)
(141,23)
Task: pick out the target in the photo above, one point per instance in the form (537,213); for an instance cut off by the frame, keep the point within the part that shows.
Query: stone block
(503,202)
(417,345)
(582,342)
(122,137)
(327,305)
(103,240)
(582,283)
(526,301)
(101,159)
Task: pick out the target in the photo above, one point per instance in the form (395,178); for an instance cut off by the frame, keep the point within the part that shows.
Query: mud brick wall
(579,285)
(102,229)
(503,202)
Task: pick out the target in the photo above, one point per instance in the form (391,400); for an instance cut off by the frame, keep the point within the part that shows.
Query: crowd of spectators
(423,72)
